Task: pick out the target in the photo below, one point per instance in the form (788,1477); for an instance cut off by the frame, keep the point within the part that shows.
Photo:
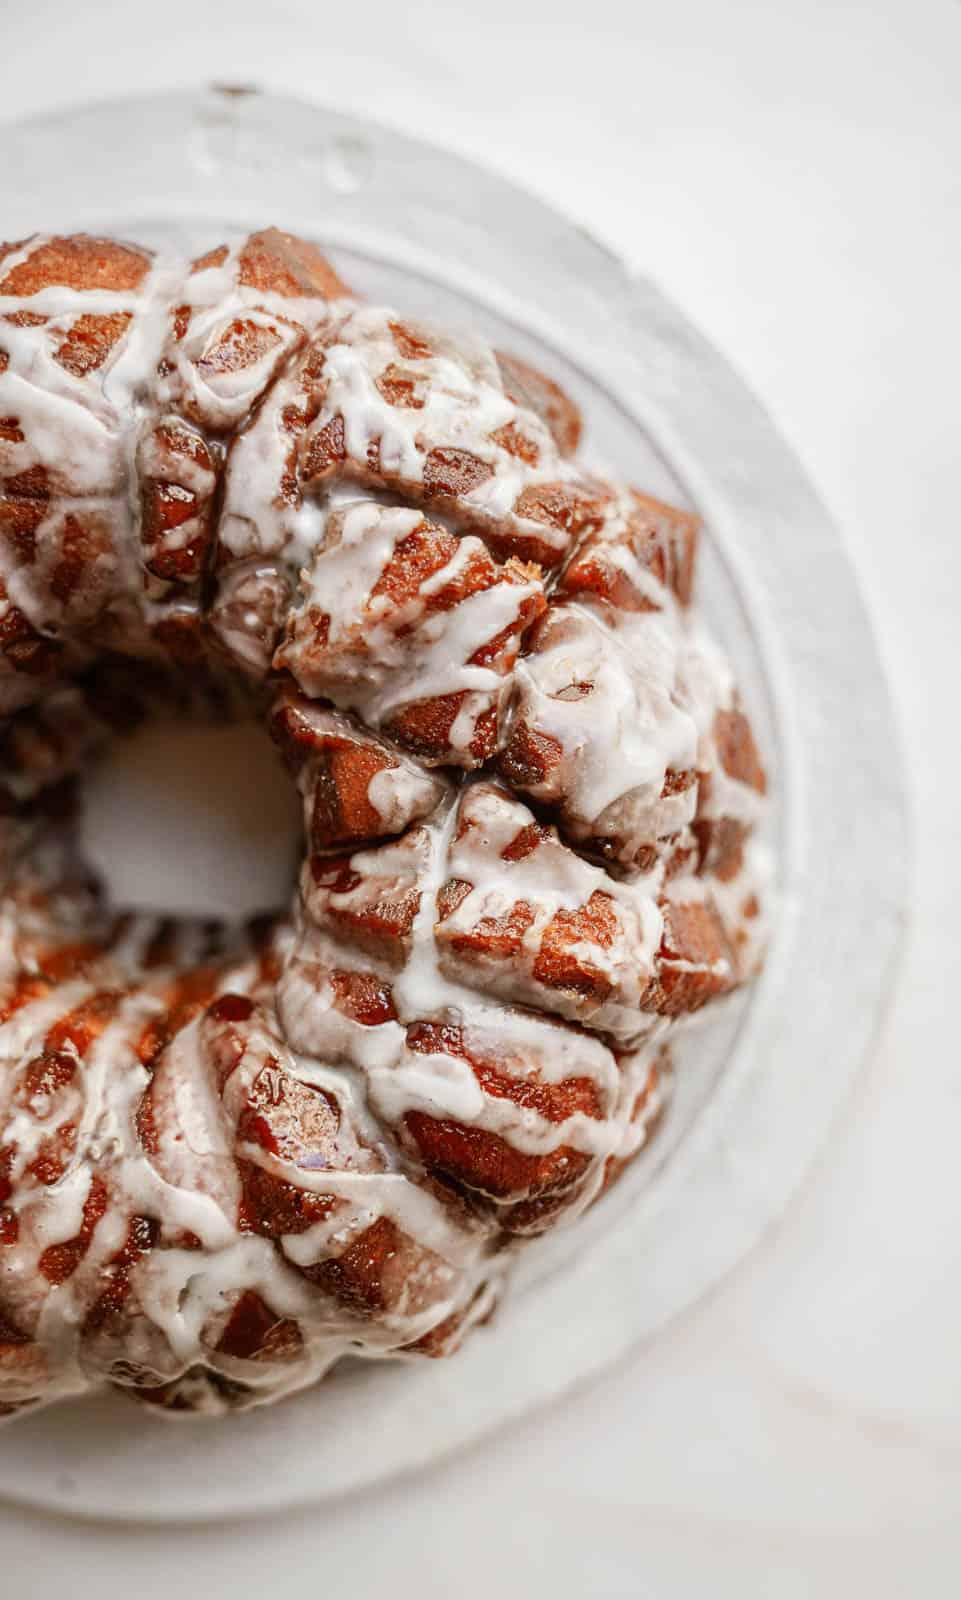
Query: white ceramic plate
(759,1087)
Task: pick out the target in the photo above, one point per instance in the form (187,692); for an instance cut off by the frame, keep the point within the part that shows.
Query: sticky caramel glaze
(228,1157)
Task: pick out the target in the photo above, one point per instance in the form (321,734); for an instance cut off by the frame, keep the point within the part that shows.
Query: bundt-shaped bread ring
(230,1156)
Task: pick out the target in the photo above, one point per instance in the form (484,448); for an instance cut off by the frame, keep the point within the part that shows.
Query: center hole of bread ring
(193,820)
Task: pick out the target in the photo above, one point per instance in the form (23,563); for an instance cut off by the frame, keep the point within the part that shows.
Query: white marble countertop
(789,173)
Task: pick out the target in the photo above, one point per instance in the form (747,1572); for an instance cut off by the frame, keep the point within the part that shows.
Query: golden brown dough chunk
(423,631)
(535,391)
(356,787)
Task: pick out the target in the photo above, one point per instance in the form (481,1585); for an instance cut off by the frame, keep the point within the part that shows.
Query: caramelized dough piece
(445,434)
(179,473)
(535,391)
(280,263)
(78,261)
(355,786)
(423,635)
(652,547)
(306,1179)
(525,918)
(600,735)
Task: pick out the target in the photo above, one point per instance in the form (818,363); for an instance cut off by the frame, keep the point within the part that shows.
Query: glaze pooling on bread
(228,1157)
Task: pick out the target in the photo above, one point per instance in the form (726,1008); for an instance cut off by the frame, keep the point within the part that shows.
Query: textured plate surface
(759,1086)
